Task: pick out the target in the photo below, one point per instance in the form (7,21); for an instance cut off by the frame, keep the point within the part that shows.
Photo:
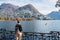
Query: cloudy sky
(43,6)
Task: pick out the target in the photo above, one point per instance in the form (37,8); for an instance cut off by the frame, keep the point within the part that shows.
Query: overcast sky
(43,6)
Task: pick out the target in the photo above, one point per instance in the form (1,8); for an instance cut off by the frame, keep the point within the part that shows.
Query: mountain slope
(27,11)
(7,10)
(55,15)
(31,11)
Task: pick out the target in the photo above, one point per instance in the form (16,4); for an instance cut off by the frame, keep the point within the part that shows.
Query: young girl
(18,31)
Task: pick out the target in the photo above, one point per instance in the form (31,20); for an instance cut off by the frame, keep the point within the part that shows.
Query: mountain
(7,10)
(55,15)
(26,11)
(30,11)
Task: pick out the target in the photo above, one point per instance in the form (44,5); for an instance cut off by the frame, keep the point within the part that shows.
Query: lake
(42,26)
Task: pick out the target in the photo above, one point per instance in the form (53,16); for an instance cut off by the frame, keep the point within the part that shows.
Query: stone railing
(7,35)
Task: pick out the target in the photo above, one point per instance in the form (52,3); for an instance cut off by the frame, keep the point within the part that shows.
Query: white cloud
(53,0)
(45,12)
(46,7)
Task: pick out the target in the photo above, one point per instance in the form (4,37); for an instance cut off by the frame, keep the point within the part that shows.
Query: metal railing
(10,35)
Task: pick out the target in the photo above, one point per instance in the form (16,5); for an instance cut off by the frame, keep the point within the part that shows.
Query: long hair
(18,21)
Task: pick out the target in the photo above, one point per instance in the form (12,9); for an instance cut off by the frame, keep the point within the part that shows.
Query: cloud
(45,12)
(53,0)
(46,7)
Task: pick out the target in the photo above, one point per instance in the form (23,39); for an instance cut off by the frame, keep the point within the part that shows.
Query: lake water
(42,26)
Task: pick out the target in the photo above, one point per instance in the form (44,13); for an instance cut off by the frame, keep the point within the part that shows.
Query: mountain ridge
(27,11)
(55,15)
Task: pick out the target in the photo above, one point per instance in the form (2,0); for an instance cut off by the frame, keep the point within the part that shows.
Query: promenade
(10,35)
